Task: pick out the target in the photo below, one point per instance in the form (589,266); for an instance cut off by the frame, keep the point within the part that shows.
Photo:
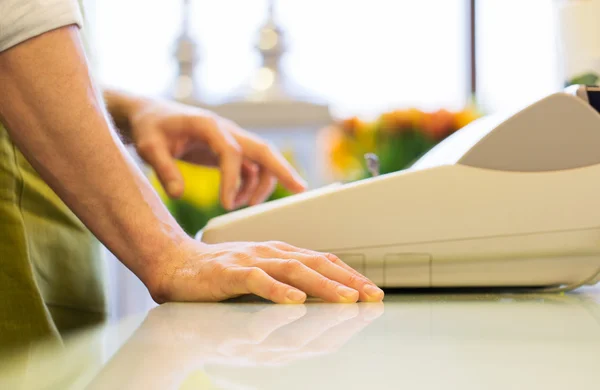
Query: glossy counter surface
(458,341)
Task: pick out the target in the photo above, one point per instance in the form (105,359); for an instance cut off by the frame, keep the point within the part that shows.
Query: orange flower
(401,120)
(347,140)
(352,125)
(438,124)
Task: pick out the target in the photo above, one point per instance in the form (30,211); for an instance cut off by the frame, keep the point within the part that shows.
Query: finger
(229,151)
(321,263)
(249,185)
(266,186)
(334,259)
(244,280)
(333,268)
(294,273)
(268,156)
(155,152)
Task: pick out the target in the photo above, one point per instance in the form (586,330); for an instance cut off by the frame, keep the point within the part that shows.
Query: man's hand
(273,270)
(163,131)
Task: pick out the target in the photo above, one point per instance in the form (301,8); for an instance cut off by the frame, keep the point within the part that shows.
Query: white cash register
(508,201)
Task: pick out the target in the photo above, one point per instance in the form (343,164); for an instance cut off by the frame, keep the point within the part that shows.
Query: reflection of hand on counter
(176,340)
(323,329)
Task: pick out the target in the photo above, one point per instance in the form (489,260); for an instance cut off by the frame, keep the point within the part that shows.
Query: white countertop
(459,341)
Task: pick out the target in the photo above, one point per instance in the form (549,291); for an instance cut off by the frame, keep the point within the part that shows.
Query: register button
(407,270)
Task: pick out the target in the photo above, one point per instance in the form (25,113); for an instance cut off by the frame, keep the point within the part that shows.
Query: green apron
(51,270)
(51,266)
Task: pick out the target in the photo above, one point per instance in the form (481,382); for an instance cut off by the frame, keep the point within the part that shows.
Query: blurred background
(330,80)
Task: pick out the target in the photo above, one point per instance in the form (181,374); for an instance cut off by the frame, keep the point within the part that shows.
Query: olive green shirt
(51,266)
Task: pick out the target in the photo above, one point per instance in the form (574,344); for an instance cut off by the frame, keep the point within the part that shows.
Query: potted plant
(398,138)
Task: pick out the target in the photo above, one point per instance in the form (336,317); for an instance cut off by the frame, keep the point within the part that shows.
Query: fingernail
(296,296)
(228,203)
(373,291)
(347,293)
(172,188)
(303,183)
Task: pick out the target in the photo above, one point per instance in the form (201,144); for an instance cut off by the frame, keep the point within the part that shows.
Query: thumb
(158,157)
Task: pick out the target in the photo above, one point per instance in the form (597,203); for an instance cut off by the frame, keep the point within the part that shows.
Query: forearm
(55,116)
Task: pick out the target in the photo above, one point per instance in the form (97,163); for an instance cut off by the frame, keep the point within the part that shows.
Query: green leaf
(192,218)
(584,79)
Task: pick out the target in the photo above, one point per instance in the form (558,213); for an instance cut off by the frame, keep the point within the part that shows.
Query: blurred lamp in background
(269,103)
(186,53)
(268,81)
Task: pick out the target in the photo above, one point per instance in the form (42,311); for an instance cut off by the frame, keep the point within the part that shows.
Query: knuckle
(243,258)
(277,244)
(316,261)
(333,258)
(292,266)
(216,269)
(147,146)
(265,148)
(165,169)
(326,284)
(273,289)
(206,122)
(232,148)
(254,274)
(262,249)
(353,279)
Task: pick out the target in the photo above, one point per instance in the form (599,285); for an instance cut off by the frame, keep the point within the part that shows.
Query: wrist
(160,269)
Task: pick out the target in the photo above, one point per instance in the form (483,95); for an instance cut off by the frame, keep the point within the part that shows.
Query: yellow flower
(201,185)
(339,151)
(366,138)
(464,117)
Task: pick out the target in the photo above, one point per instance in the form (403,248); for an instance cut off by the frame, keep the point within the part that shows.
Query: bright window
(361,56)
(518,52)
